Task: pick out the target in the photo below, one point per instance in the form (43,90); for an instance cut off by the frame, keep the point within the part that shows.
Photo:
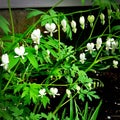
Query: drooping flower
(114,45)
(20,51)
(77,88)
(73,25)
(64,25)
(42,92)
(54,92)
(36,48)
(68,92)
(82,22)
(98,43)
(36,36)
(115,63)
(102,18)
(5,61)
(91,19)
(51,28)
(48,52)
(90,47)
(108,44)
(82,58)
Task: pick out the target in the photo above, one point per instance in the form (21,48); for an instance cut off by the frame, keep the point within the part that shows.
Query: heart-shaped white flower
(54,91)
(51,28)
(5,61)
(64,24)
(82,58)
(20,51)
(36,36)
(82,22)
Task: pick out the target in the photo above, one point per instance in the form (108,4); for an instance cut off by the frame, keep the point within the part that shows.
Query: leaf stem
(11,18)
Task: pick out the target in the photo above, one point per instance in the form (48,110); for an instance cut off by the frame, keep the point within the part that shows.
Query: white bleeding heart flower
(42,92)
(64,25)
(68,92)
(82,58)
(36,36)
(82,22)
(90,47)
(20,51)
(98,43)
(5,61)
(51,28)
(91,19)
(115,63)
(73,25)
(54,92)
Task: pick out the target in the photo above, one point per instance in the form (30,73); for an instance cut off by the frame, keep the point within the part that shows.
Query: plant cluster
(37,67)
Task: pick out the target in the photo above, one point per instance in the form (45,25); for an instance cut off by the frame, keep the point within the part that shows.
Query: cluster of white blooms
(111,44)
(69,93)
(53,92)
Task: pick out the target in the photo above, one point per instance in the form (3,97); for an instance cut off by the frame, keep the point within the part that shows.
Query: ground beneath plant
(110,95)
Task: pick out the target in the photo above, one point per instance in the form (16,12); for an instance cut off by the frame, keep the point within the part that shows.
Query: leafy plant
(41,75)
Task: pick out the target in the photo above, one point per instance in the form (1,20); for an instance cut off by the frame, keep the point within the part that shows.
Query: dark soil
(110,94)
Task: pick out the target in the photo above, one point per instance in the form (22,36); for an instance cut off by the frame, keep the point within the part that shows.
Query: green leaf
(95,114)
(32,59)
(34,88)
(45,100)
(45,19)
(34,116)
(26,95)
(13,61)
(4,25)
(34,13)
(53,15)
(115,28)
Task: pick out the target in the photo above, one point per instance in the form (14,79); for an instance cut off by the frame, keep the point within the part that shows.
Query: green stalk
(71,108)
(11,19)
(59,37)
(11,77)
(60,104)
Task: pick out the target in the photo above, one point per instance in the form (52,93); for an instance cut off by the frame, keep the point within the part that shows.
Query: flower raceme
(5,61)
(36,36)
(82,58)
(20,51)
(51,28)
(111,44)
